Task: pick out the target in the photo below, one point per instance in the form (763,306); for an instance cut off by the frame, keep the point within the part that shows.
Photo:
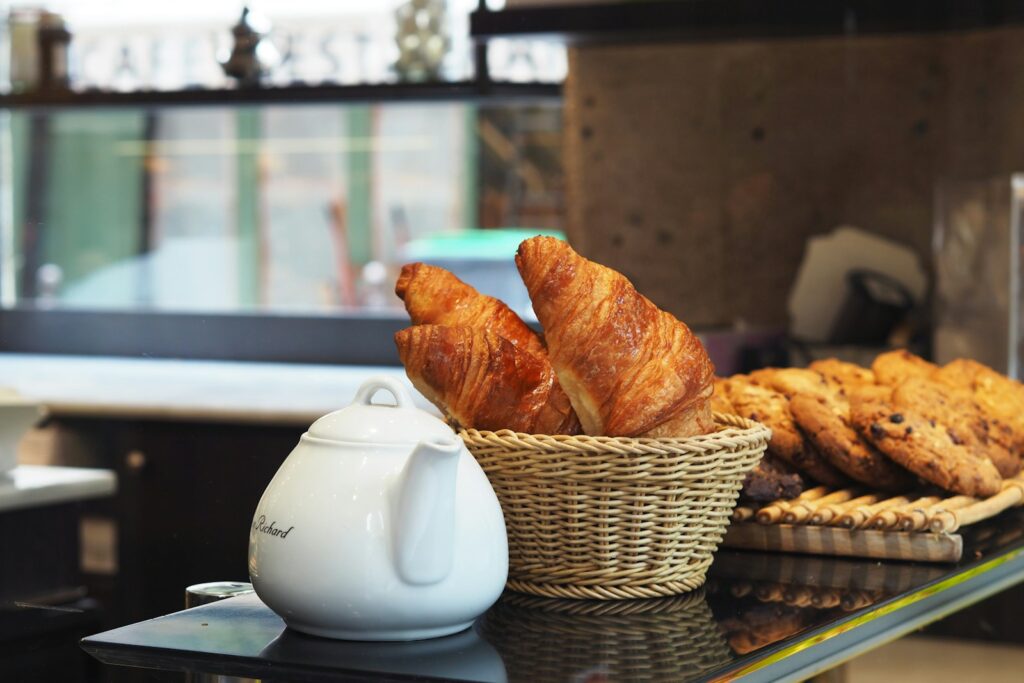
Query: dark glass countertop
(760,616)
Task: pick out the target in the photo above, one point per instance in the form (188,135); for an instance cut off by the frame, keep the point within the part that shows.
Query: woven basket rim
(729,427)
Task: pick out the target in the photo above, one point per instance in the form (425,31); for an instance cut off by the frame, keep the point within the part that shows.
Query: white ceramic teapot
(380,525)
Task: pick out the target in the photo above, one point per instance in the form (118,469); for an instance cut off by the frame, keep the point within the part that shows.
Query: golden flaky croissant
(434,296)
(483,381)
(629,368)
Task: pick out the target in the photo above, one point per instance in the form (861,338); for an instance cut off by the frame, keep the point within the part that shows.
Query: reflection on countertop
(761,599)
(665,639)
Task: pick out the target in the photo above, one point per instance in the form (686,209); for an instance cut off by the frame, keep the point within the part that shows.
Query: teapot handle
(393,386)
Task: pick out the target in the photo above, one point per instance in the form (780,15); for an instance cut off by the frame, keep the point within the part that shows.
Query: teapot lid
(379,423)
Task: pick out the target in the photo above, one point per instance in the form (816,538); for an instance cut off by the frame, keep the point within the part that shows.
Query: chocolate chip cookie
(895,366)
(1001,398)
(769,407)
(719,399)
(792,381)
(868,392)
(827,426)
(925,448)
(841,375)
(965,422)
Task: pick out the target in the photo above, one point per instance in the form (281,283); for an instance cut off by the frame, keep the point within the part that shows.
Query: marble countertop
(210,391)
(28,486)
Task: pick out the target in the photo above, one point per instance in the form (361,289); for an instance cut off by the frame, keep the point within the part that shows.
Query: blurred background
(204,207)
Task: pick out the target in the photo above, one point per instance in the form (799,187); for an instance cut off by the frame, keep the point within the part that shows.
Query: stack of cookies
(901,423)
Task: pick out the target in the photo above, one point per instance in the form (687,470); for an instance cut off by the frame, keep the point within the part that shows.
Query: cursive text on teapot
(260,525)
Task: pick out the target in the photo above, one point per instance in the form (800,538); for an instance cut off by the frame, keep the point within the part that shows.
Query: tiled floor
(938,660)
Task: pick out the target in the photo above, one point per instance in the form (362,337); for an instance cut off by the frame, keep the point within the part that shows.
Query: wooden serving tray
(857,523)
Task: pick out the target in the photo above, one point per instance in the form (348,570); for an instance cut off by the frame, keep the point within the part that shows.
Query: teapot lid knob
(385,421)
(370,388)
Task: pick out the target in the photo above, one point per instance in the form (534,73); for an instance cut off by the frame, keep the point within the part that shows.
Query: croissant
(483,381)
(434,296)
(629,368)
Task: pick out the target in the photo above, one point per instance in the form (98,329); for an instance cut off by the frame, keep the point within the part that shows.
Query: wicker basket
(609,518)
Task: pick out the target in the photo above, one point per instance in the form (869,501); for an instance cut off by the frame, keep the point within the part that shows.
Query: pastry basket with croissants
(615,477)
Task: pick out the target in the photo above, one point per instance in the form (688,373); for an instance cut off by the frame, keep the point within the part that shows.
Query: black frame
(702,20)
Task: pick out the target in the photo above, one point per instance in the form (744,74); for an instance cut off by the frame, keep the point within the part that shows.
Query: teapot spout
(424,529)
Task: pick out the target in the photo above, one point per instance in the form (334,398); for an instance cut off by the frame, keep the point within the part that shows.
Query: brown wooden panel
(700,170)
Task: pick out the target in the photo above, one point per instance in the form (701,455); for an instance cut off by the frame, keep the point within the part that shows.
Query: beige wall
(700,170)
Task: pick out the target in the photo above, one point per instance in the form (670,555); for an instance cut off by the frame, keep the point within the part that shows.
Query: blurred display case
(155,202)
(268,209)
(287,208)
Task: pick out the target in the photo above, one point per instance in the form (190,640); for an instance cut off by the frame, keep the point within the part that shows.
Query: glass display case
(977,271)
